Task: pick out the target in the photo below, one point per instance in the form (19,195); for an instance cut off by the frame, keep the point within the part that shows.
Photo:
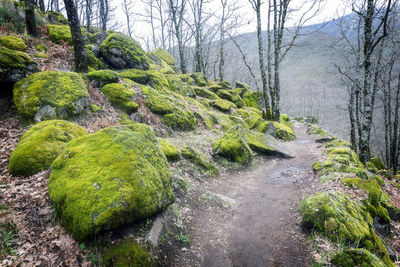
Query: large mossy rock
(253,99)
(121,96)
(14,65)
(170,151)
(110,178)
(51,94)
(277,129)
(13,43)
(357,257)
(122,52)
(103,77)
(127,253)
(336,215)
(164,55)
(41,145)
(231,96)
(60,33)
(233,146)
(200,160)
(223,105)
(267,145)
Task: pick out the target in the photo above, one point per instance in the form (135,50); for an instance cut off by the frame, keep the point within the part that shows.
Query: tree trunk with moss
(30,18)
(80,58)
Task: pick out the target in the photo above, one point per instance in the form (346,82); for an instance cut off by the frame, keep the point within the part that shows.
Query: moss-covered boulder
(60,33)
(253,99)
(122,52)
(127,253)
(357,257)
(242,88)
(94,63)
(110,178)
(233,146)
(51,94)
(170,151)
(199,78)
(13,43)
(40,146)
(277,129)
(231,96)
(337,216)
(223,105)
(152,78)
(55,17)
(201,160)
(121,96)
(267,145)
(225,85)
(14,65)
(204,92)
(164,55)
(172,107)
(103,77)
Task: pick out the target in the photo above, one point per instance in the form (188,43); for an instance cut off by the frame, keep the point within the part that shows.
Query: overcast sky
(329,10)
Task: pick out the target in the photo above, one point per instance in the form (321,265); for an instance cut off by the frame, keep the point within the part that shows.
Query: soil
(251,218)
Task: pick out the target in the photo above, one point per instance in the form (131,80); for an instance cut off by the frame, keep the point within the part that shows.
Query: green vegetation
(121,96)
(127,253)
(40,146)
(223,105)
(13,43)
(164,55)
(103,77)
(15,64)
(357,257)
(170,151)
(201,160)
(113,177)
(50,94)
(233,146)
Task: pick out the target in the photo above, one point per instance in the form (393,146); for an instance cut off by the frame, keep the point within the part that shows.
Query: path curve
(259,224)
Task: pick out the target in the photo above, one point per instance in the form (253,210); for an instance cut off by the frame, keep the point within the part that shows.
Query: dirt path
(257,221)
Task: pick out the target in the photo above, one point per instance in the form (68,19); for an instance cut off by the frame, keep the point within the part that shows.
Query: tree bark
(80,59)
(30,18)
(42,6)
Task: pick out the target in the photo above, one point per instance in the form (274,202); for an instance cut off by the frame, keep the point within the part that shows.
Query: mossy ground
(127,253)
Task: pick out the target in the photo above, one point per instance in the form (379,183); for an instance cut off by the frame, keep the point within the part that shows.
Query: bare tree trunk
(395,141)
(80,59)
(41,6)
(177,19)
(104,13)
(89,13)
(30,18)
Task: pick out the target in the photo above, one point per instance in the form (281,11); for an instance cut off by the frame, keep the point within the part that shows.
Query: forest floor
(252,218)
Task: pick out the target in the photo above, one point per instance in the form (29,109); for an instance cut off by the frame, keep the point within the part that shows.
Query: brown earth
(251,218)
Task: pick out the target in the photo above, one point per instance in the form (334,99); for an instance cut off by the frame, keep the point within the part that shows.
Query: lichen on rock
(40,146)
(51,94)
(110,178)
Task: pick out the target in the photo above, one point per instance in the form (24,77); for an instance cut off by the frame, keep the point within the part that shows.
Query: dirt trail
(258,221)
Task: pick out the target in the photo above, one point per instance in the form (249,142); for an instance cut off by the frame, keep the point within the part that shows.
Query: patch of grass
(8,236)
(183,239)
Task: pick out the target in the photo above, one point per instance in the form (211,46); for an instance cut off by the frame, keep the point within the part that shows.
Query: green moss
(93,62)
(266,145)
(357,257)
(175,84)
(204,92)
(214,87)
(121,96)
(95,108)
(127,49)
(242,88)
(103,77)
(318,166)
(15,64)
(127,253)
(199,78)
(170,151)
(200,160)
(253,99)
(281,130)
(231,96)
(317,130)
(40,145)
(337,143)
(346,218)
(51,94)
(175,112)
(225,85)
(41,55)
(152,78)
(164,55)
(13,43)
(233,146)
(55,16)
(223,105)
(377,163)
(110,178)
(60,33)
(345,152)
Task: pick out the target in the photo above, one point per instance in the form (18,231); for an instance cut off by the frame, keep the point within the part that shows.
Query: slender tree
(80,58)
(30,18)
(127,7)
(177,11)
